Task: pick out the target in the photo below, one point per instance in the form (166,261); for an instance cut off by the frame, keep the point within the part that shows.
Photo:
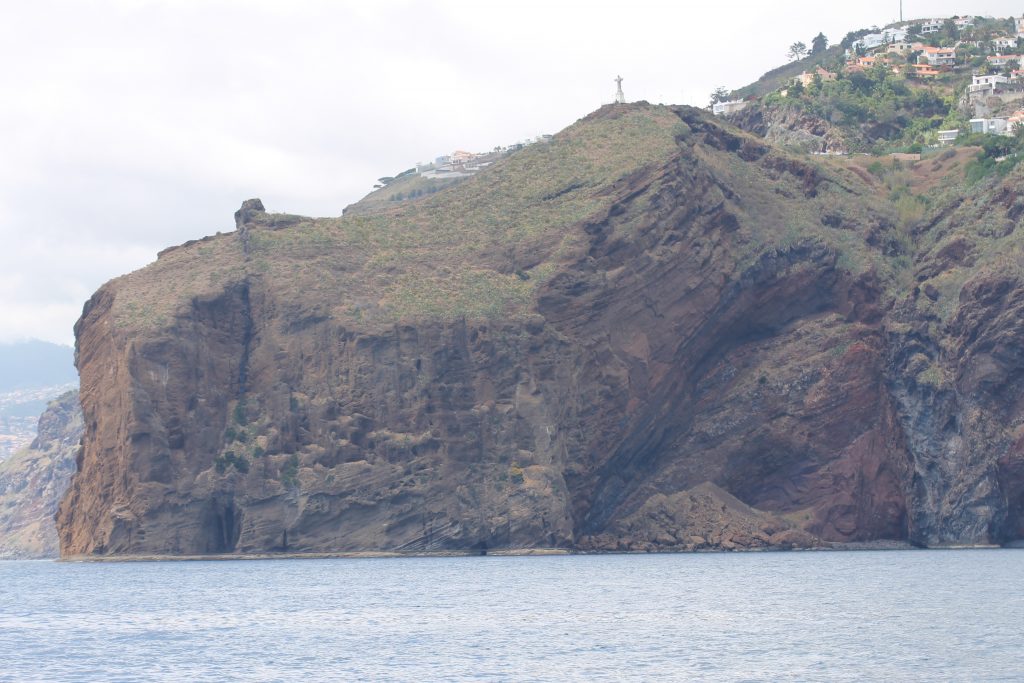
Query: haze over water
(913,615)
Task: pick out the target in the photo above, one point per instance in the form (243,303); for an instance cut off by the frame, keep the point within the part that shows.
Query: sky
(129,126)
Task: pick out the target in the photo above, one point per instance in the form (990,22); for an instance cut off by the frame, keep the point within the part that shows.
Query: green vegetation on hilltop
(779,77)
(880,110)
(478,249)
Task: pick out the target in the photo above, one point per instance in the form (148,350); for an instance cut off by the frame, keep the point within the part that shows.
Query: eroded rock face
(790,127)
(682,347)
(33,480)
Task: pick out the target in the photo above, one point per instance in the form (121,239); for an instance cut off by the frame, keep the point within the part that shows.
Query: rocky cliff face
(655,333)
(792,128)
(34,479)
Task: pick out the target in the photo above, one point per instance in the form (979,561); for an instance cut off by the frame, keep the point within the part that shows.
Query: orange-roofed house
(938,56)
(925,71)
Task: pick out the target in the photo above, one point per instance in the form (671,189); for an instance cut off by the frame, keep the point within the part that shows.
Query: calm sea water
(896,616)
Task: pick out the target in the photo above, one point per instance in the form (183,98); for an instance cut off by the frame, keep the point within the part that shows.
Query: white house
(964,22)
(1003,60)
(868,42)
(948,137)
(989,82)
(1004,43)
(723,108)
(932,26)
(894,35)
(1019,21)
(873,40)
(989,126)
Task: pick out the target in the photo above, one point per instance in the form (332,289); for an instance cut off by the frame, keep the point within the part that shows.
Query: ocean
(811,616)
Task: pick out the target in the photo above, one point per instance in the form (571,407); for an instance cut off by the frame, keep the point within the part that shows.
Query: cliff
(33,480)
(656,332)
(792,128)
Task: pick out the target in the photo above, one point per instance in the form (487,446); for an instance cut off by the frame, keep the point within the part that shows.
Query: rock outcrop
(657,332)
(793,128)
(34,479)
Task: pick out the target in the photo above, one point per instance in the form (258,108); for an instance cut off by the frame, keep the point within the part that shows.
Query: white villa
(988,82)
(989,126)
(723,108)
(932,26)
(873,40)
(948,137)
(1003,60)
(1004,43)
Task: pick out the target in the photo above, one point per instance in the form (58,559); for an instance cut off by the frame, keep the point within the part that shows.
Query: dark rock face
(959,390)
(704,359)
(790,127)
(34,479)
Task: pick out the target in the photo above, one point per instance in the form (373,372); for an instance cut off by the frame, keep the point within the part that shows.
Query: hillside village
(911,85)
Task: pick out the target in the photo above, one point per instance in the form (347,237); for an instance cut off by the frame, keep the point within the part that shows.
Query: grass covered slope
(478,249)
(483,248)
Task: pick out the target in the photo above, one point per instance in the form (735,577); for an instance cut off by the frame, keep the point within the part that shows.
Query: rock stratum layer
(654,333)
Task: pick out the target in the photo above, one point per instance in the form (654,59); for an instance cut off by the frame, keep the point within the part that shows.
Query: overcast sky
(129,126)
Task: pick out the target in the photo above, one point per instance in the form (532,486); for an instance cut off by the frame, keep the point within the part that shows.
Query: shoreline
(505,552)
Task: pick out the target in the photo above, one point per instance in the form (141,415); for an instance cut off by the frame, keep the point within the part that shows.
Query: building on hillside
(870,61)
(723,108)
(901,47)
(989,126)
(986,83)
(948,137)
(894,35)
(964,22)
(1019,24)
(1000,61)
(932,26)
(884,37)
(805,79)
(938,56)
(1017,75)
(924,71)
(1001,43)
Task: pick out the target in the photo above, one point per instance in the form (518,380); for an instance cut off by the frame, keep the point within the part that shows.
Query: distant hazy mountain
(30,364)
